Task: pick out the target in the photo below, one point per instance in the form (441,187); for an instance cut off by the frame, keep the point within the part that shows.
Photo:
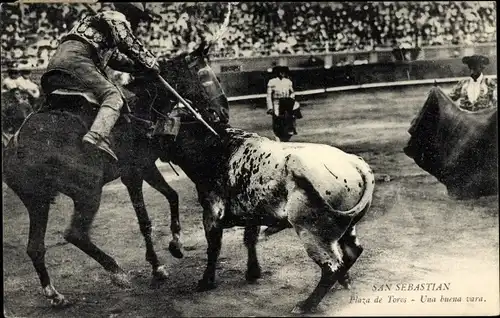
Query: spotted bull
(248,180)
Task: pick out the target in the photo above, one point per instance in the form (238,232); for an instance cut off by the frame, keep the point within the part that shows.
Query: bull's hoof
(160,273)
(121,280)
(253,273)
(303,308)
(204,285)
(175,248)
(346,282)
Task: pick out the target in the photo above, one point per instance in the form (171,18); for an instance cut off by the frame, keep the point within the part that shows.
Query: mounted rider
(104,39)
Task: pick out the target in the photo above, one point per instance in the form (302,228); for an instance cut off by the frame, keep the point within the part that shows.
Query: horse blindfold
(219,105)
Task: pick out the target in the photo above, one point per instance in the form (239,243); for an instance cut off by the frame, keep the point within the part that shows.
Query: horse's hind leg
(351,250)
(86,207)
(250,239)
(38,209)
(134,187)
(155,179)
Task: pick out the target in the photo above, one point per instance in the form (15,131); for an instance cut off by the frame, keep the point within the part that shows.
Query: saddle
(62,97)
(63,93)
(165,126)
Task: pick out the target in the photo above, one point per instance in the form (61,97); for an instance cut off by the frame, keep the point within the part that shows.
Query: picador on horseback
(104,39)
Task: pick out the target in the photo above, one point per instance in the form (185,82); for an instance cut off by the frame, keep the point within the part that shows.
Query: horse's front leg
(213,210)
(155,179)
(133,182)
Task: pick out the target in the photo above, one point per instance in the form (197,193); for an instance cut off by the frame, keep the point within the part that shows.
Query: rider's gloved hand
(155,69)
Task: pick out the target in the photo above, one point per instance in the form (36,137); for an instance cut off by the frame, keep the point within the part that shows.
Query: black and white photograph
(249,159)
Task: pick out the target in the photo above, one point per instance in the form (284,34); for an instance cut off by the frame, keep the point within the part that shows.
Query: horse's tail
(369,186)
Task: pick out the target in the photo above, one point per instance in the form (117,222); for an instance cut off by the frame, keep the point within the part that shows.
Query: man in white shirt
(281,104)
(477,92)
(277,88)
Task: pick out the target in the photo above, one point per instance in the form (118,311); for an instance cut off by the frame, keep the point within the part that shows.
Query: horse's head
(192,77)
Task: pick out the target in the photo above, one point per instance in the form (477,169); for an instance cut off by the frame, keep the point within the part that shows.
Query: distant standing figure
(477,92)
(278,87)
(281,104)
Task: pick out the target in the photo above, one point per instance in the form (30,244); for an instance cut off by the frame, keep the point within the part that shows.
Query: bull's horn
(223,28)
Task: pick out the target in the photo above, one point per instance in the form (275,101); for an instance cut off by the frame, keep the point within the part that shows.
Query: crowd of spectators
(31,31)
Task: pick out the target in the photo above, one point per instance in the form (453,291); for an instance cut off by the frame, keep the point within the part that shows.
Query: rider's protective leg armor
(100,130)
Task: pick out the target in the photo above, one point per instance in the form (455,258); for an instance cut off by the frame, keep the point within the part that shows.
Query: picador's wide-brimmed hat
(476,60)
(137,9)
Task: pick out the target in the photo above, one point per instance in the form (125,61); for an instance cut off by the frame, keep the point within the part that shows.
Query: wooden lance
(186,104)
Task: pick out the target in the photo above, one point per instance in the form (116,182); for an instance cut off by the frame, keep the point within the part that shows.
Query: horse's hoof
(253,274)
(58,301)
(302,308)
(121,280)
(175,249)
(161,273)
(205,286)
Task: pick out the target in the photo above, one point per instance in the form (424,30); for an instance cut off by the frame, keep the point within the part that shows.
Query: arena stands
(31,31)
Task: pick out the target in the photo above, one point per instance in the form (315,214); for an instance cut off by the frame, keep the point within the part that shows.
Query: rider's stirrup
(101,144)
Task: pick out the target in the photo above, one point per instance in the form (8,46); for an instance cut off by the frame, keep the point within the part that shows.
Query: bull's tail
(369,186)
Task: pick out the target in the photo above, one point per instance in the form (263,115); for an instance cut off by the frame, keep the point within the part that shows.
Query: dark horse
(48,158)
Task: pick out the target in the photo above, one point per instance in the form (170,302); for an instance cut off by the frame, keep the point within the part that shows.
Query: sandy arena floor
(413,234)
